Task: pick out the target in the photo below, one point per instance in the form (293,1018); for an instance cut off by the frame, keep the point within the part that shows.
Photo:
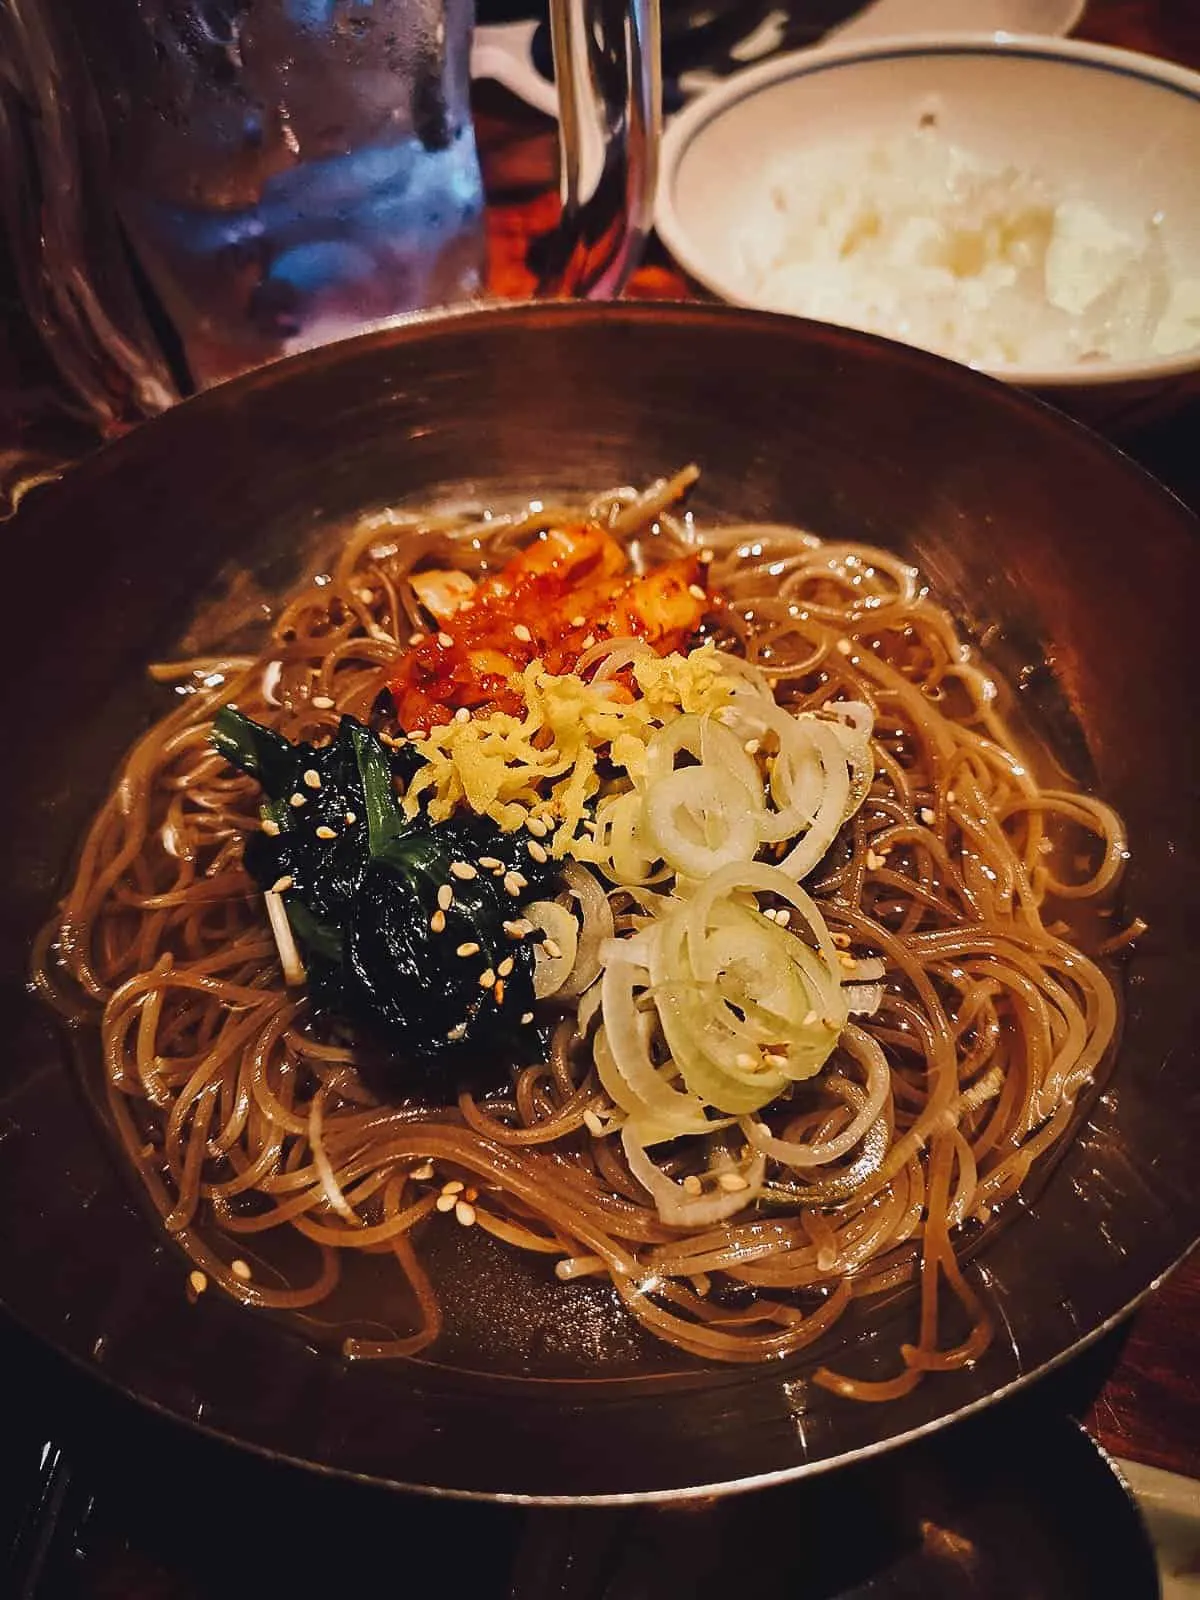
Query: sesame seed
(951,797)
(696,592)
(270,827)
(498,991)
(351,819)
(927,815)
(423,1172)
(832,1024)
(843,647)
(365,595)
(416,638)
(523,633)
(298,799)
(445,641)
(489,863)
(579,621)
(322,702)
(706,556)
(848,961)
(770,915)
(414,737)
(587,641)
(437,922)
(512,884)
(526,1018)
(197,1282)
(874,861)
(537,851)
(312,778)
(842,940)
(487,978)
(744,1060)
(464,1212)
(324,832)
(445,1202)
(783,917)
(283,883)
(445,897)
(518,928)
(522,880)
(808,1019)
(751,747)
(692,1184)
(455,1186)
(462,715)
(732,1182)
(593,1123)
(457,1032)
(240,1269)
(774,1059)
(552,948)
(468,949)
(463,870)
(537,827)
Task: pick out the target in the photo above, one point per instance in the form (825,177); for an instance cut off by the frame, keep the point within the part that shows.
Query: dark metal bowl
(1080,572)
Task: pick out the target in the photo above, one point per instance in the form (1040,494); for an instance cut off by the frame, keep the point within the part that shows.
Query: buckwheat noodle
(243,1114)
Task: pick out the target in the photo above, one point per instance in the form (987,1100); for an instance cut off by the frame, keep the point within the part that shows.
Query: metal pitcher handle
(608,67)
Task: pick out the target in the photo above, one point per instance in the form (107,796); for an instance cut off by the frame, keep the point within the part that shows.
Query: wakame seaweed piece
(364,906)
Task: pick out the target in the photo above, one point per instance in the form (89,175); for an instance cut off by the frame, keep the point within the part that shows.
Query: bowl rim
(700,117)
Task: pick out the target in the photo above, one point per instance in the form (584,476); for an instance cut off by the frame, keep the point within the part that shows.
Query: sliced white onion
(675,1206)
(595,928)
(552,966)
(817,1153)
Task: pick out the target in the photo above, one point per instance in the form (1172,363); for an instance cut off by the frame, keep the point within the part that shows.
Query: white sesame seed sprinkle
(487,978)
(518,928)
(744,1060)
(351,818)
(455,1186)
(446,1202)
(774,1059)
(552,948)
(927,815)
(424,1172)
(537,851)
(732,1182)
(298,799)
(470,948)
(504,968)
(490,863)
(526,1018)
(322,702)
(498,991)
(783,916)
(445,641)
(692,1184)
(457,1032)
(416,638)
(808,1019)
(523,633)
(706,556)
(751,747)
(512,884)
(696,592)
(312,778)
(578,621)
(464,1213)
(241,1269)
(587,641)
(325,832)
(197,1281)
(843,647)
(593,1123)
(270,827)
(445,897)
(463,870)
(437,921)
(537,827)
(283,883)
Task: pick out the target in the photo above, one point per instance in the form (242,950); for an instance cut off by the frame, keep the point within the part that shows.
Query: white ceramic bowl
(1117,129)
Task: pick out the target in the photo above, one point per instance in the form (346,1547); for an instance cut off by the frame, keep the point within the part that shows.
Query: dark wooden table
(1150,1407)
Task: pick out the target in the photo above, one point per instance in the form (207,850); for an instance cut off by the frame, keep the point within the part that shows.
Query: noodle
(243,1113)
